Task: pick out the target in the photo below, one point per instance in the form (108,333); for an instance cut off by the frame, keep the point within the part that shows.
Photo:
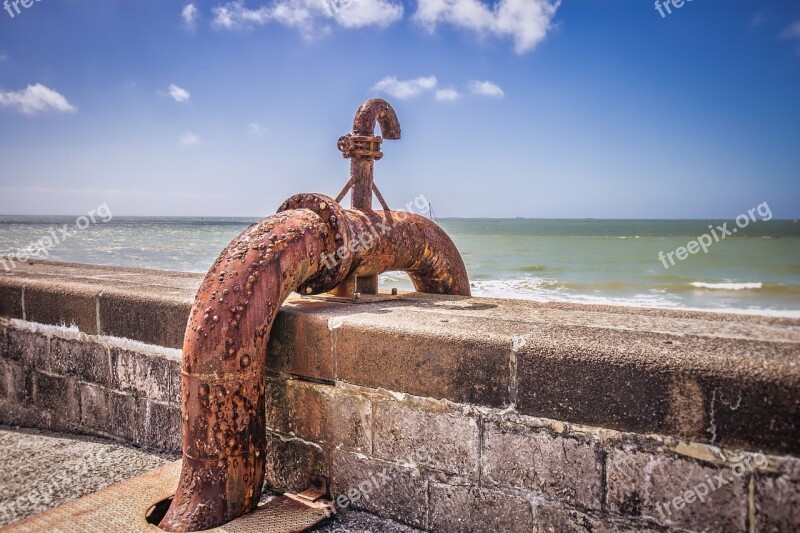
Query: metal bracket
(316,491)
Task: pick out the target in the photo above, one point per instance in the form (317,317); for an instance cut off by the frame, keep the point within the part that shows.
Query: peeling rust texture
(224,351)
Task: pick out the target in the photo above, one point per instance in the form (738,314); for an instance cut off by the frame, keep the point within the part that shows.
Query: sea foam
(728,286)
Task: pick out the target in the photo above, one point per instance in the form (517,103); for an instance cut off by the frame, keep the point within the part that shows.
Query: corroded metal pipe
(310,246)
(363,148)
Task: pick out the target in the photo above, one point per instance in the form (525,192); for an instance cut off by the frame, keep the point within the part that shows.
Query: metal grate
(122,507)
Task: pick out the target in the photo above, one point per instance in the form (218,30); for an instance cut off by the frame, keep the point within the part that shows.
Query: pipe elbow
(222,373)
(224,351)
(413,244)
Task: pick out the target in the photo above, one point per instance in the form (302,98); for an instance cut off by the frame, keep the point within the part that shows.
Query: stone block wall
(59,379)
(444,466)
(445,414)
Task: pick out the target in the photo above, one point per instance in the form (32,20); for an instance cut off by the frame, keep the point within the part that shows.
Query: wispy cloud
(255,129)
(178,94)
(447,95)
(36,99)
(486,88)
(403,89)
(189,139)
(3,57)
(310,17)
(189,16)
(792,32)
(525,21)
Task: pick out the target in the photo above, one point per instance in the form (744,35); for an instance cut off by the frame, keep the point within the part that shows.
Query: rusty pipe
(224,352)
(363,148)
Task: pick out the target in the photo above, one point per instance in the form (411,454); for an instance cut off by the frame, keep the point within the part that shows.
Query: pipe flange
(337,265)
(368,146)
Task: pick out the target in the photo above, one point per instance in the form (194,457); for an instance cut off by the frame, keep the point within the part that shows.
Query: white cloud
(189,139)
(405,88)
(792,32)
(189,16)
(525,21)
(255,129)
(36,99)
(486,88)
(3,57)
(178,94)
(360,13)
(447,95)
(310,16)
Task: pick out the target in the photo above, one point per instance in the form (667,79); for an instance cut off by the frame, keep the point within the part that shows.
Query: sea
(755,271)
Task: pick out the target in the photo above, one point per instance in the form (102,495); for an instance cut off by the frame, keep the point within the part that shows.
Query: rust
(312,245)
(363,148)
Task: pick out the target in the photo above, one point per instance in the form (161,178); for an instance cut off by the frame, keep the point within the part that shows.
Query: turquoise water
(594,261)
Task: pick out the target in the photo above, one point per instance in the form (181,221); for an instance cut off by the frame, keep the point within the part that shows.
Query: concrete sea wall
(446,414)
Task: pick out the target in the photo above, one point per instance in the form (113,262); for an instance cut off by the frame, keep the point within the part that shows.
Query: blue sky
(587,108)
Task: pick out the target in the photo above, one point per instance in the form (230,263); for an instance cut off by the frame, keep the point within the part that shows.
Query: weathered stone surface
(125,416)
(145,318)
(159,426)
(557,520)
(777,505)
(578,385)
(13,382)
(301,344)
(427,433)
(290,463)
(752,412)
(387,490)
(59,396)
(96,408)
(320,413)
(85,360)
(174,382)
(29,348)
(641,370)
(3,342)
(438,364)
(469,509)
(10,298)
(562,468)
(15,414)
(62,304)
(351,521)
(648,486)
(652,382)
(140,374)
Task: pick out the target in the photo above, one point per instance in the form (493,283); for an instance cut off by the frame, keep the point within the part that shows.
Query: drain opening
(157,512)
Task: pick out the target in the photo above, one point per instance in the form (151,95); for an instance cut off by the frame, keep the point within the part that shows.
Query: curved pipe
(222,378)
(376,110)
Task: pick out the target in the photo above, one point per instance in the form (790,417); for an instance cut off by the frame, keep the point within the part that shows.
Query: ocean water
(757,270)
